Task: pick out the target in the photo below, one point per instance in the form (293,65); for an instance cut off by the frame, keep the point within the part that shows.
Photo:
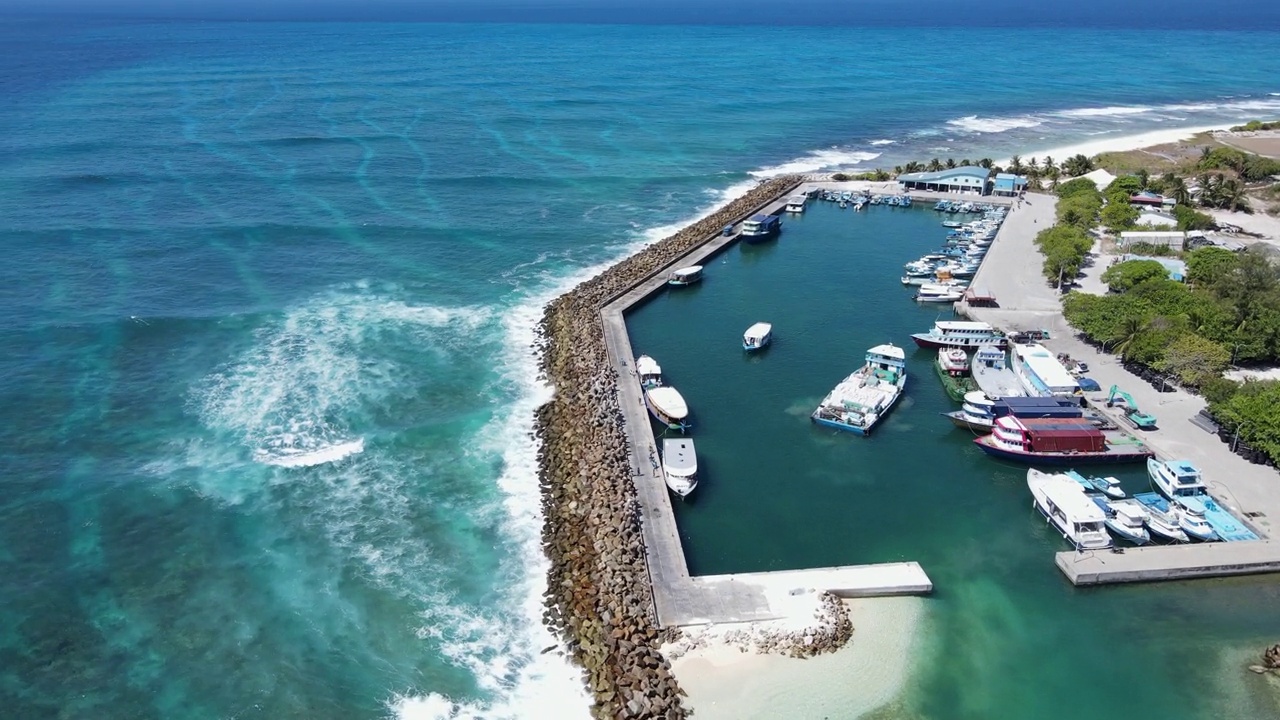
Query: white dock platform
(1170,562)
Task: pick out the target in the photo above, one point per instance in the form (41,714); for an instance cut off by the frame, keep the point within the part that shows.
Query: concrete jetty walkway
(679,598)
(1251,492)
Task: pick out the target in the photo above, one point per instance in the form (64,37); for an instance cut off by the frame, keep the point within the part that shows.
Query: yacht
(648,372)
(866,396)
(1175,478)
(668,406)
(934,293)
(757,337)
(680,465)
(1164,522)
(1192,518)
(1066,506)
(977,413)
(685,276)
(796,203)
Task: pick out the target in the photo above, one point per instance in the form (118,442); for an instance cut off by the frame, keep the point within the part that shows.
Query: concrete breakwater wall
(599,600)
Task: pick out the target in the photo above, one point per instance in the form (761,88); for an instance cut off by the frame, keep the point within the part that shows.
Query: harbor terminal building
(964,180)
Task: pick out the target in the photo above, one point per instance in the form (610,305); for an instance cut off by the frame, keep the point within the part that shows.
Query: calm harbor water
(1006,630)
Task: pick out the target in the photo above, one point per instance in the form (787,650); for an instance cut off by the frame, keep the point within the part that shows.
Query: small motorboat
(648,372)
(1192,519)
(1126,519)
(1164,522)
(757,336)
(1108,486)
(685,276)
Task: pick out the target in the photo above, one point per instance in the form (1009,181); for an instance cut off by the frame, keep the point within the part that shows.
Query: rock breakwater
(598,599)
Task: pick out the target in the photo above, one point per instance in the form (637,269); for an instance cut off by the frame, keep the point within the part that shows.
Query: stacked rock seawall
(599,600)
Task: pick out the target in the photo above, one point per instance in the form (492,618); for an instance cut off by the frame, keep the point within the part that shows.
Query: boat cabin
(761,226)
(796,203)
(648,372)
(757,336)
(685,276)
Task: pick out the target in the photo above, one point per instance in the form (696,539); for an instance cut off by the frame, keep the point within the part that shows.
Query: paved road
(1012,272)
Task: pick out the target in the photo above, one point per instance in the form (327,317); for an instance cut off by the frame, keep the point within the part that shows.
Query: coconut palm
(1129,332)
(951,163)
(1077,165)
(934,165)
(986,163)
(1015,165)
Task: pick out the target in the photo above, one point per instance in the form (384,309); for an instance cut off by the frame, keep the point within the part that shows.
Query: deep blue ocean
(269,291)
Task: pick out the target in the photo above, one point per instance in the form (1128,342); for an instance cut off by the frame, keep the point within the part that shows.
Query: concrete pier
(1011,272)
(679,598)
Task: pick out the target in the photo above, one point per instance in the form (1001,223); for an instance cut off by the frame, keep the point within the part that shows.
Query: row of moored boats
(943,275)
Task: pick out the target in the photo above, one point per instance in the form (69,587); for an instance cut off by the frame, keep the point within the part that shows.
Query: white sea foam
(1120,143)
(975,124)
(293,457)
(1113,111)
(832,159)
(877,143)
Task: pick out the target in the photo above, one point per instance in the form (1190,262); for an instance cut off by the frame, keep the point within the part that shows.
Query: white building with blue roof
(967,179)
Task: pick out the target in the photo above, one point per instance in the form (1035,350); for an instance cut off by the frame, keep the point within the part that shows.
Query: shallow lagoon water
(1004,628)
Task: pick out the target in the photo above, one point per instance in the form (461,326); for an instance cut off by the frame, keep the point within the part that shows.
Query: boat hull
(956,386)
(1124,532)
(841,426)
(929,342)
(1073,458)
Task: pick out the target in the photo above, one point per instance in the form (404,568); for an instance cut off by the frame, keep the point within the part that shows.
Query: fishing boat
(1059,441)
(959,334)
(1127,519)
(685,276)
(796,203)
(866,396)
(757,336)
(667,405)
(952,224)
(680,465)
(1176,478)
(1192,519)
(759,228)
(1108,486)
(953,369)
(1066,507)
(648,372)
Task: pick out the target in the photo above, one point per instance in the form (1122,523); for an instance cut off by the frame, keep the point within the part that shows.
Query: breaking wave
(975,124)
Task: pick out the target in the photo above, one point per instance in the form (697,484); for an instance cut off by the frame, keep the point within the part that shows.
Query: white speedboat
(648,372)
(1165,522)
(667,405)
(939,293)
(680,465)
(757,336)
(1108,486)
(1126,519)
(866,396)
(1066,506)
(685,276)
(1192,518)
(1176,478)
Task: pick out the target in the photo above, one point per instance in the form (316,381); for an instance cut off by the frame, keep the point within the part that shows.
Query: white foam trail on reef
(1112,111)
(831,159)
(975,124)
(301,458)
(878,143)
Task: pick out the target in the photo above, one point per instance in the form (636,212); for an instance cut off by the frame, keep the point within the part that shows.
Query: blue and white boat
(1193,521)
(1108,486)
(866,396)
(1175,478)
(757,337)
(1126,519)
(685,276)
(1066,506)
(667,405)
(648,372)
(759,228)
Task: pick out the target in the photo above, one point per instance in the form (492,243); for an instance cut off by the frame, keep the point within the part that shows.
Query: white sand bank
(1118,143)
(724,681)
(1265,225)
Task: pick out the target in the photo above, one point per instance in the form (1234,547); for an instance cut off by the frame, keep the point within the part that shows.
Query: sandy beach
(1118,143)
(725,681)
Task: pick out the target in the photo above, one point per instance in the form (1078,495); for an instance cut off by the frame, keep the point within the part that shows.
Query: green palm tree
(1129,332)
(1015,165)
(1033,165)
(986,163)
(951,162)
(966,162)
(934,165)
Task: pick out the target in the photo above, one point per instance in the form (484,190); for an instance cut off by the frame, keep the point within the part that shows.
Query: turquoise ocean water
(268,297)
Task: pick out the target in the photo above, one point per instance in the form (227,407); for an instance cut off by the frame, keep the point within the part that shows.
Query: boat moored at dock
(757,336)
(1066,506)
(1059,441)
(1175,478)
(1108,486)
(1040,372)
(953,369)
(990,370)
(959,334)
(667,405)
(866,396)
(759,228)
(685,276)
(648,372)
(1126,519)
(680,465)
(796,203)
